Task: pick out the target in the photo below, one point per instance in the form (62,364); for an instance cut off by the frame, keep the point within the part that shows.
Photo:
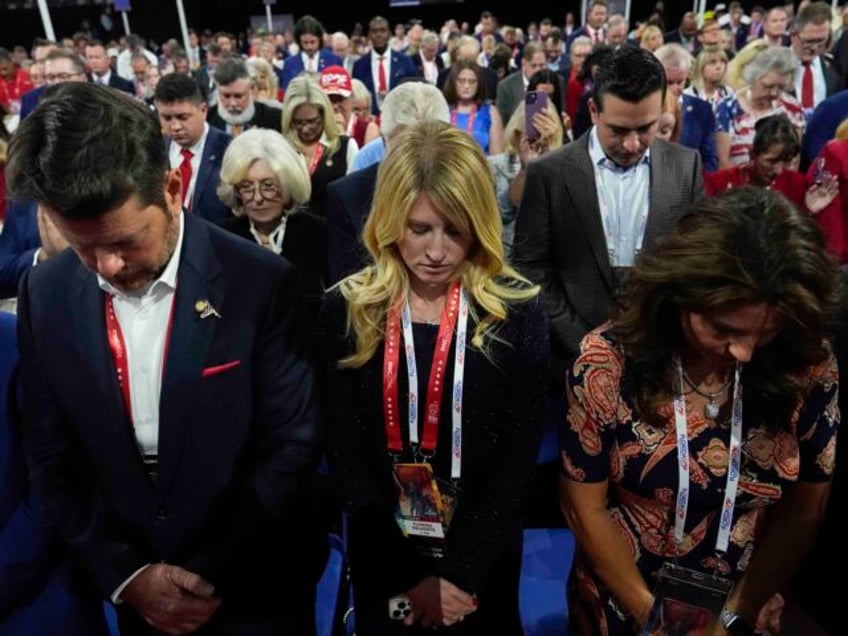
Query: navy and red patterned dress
(604,438)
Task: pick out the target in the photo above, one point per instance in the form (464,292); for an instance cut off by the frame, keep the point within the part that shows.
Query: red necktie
(807,99)
(382,88)
(185,173)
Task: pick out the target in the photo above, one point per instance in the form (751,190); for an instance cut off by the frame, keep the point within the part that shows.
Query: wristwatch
(735,624)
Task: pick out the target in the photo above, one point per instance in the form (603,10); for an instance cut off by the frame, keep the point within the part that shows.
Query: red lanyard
(435,386)
(469,126)
(316,157)
(117,345)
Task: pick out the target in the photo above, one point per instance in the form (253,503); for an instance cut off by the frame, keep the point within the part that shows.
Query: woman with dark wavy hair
(728,311)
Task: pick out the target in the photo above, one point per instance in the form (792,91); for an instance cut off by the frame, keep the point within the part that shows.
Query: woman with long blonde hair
(461,408)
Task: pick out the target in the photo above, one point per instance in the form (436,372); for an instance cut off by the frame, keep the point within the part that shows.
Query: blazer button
(161,514)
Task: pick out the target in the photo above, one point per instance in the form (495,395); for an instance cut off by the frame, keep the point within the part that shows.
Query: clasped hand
(171,599)
(436,601)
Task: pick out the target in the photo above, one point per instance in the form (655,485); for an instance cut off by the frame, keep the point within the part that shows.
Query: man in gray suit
(511,88)
(591,206)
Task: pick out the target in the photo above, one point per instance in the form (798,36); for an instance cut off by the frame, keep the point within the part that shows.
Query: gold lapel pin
(205,309)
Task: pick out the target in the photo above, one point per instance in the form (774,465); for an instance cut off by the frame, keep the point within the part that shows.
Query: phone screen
(534,102)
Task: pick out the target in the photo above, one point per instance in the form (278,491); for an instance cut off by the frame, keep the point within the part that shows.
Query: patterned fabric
(604,438)
(733,119)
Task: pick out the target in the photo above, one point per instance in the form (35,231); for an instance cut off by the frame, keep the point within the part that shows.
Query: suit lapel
(188,346)
(205,168)
(657,192)
(586,206)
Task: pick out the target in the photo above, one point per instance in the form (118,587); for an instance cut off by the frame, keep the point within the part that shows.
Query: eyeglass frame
(257,186)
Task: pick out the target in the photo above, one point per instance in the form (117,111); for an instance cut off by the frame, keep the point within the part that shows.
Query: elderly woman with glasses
(766,78)
(265,181)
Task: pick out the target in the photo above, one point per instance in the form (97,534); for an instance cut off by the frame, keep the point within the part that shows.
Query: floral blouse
(604,438)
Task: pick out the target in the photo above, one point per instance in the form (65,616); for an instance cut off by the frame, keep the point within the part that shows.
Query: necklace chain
(706,394)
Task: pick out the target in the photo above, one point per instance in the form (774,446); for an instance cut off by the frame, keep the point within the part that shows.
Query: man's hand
(437,602)
(171,599)
(52,242)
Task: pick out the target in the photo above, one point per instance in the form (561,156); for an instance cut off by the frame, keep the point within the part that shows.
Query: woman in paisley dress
(736,298)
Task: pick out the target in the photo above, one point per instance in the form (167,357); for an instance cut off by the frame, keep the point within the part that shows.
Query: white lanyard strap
(456,393)
(733,469)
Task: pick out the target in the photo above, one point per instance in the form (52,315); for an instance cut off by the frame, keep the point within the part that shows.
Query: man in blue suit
(309,35)
(383,68)
(172,423)
(697,128)
(19,245)
(194,147)
(821,127)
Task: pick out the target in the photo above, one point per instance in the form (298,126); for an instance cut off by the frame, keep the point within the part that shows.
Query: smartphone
(534,102)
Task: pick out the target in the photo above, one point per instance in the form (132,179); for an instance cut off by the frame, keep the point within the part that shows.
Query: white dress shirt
(623,200)
(144,317)
(310,64)
(175,158)
(375,73)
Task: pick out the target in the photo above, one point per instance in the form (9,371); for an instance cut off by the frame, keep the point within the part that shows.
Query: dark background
(157,19)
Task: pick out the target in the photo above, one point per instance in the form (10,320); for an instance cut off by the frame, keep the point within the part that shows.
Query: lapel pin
(205,309)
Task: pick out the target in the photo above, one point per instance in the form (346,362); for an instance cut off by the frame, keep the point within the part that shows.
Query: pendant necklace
(711,409)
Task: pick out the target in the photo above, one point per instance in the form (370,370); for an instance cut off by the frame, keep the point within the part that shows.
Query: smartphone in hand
(534,102)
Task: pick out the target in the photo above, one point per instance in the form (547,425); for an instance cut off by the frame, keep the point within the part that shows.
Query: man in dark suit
(383,68)
(194,147)
(591,206)
(101,71)
(349,198)
(686,34)
(172,429)
(697,126)
(236,109)
(428,63)
(60,65)
(594,28)
(511,89)
(309,34)
(816,76)
(820,129)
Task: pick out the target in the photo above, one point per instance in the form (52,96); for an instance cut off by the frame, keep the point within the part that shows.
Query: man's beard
(240,119)
(131,282)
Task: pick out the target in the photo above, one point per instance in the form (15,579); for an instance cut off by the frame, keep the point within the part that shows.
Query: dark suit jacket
(204,201)
(348,205)
(42,590)
(559,235)
(18,242)
(30,99)
(304,246)
(833,80)
(293,66)
(698,130)
(401,67)
(265,117)
(510,92)
(237,449)
(419,63)
(820,129)
(116,81)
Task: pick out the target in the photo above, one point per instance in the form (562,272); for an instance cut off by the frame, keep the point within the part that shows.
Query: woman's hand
(546,125)
(821,194)
(436,601)
(769,616)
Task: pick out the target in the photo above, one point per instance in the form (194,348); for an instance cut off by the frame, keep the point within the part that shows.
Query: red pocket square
(210,371)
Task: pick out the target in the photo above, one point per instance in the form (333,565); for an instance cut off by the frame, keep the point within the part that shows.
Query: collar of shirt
(599,157)
(103,78)
(275,238)
(168,278)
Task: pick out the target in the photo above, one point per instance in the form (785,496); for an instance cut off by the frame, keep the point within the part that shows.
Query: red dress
(790,183)
(832,219)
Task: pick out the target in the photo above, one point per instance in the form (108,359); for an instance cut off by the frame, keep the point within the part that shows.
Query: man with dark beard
(236,110)
(172,424)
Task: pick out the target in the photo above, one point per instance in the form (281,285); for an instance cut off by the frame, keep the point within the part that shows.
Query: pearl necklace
(711,409)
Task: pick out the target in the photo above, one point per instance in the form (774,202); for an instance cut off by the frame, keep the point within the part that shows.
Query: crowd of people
(275,286)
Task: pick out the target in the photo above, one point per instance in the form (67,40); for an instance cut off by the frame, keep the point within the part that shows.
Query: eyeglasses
(306,123)
(60,77)
(267,188)
(812,45)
